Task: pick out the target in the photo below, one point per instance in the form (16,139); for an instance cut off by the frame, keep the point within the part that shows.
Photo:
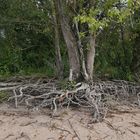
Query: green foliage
(3,96)
(27,37)
(67,85)
(112,21)
(93,24)
(27,45)
(102,14)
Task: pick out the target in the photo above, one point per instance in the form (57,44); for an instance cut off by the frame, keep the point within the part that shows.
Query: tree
(70,42)
(99,36)
(93,17)
(59,63)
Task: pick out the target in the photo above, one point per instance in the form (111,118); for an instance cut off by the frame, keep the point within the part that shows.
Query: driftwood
(98,97)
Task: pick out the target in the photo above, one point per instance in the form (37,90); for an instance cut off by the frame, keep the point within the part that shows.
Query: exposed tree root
(97,97)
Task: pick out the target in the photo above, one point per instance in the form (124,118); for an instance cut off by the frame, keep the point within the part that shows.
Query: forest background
(36,37)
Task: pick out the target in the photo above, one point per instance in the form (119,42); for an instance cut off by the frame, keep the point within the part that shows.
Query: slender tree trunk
(59,63)
(91,57)
(70,42)
(82,57)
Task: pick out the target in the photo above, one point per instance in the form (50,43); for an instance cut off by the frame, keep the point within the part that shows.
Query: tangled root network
(97,97)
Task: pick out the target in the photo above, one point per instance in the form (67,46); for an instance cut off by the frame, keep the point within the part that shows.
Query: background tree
(74,37)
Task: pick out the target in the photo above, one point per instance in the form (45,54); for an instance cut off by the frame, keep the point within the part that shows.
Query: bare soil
(25,124)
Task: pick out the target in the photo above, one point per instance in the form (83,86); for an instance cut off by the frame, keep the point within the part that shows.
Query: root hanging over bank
(97,97)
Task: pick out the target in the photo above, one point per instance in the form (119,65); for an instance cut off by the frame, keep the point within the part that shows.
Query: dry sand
(20,124)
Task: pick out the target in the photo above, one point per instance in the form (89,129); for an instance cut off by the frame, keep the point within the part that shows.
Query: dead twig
(73,130)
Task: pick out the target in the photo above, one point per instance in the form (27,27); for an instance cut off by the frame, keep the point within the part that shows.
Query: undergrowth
(4,96)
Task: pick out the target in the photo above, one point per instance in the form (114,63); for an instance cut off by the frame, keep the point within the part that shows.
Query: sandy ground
(20,124)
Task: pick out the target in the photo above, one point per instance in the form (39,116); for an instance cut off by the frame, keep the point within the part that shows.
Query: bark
(59,63)
(82,57)
(70,42)
(91,57)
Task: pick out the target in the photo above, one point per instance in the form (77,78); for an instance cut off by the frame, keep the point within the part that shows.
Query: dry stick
(73,129)
(16,96)
(16,100)
(23,135)
(10,135)
(112,127)
(7,88)
(55,106)
(138,96)
(8,84)
(28,123)
(62,129)
(50,138)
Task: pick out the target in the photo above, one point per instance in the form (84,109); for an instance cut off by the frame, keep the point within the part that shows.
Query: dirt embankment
(20,124)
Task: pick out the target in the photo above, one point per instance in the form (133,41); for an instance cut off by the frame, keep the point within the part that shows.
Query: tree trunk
(82,57)
(59,63)
(91,57)
(70,42)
